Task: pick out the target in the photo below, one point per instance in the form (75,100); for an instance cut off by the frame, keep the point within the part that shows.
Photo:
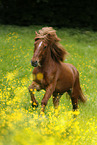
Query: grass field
(20,124)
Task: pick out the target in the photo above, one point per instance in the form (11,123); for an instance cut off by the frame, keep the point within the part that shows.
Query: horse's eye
(45,47)
(36,39)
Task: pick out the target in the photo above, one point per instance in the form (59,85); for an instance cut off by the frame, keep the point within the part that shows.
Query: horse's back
(70,68)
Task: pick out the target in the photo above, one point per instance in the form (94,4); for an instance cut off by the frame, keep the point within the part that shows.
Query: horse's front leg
(31,88)
(49,91)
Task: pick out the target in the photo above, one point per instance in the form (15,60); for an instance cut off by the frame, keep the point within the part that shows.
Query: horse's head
(40,47)
(45,39)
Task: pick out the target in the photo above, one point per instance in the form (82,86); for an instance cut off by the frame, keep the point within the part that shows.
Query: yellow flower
(31,90)
(30,101)
(76,112)
(9,89)
(39,76)
(34,104)
(10,76)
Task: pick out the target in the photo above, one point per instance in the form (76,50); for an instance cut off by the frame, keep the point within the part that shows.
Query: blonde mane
(58,53)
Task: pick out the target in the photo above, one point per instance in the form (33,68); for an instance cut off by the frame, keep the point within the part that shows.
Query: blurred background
(71,13)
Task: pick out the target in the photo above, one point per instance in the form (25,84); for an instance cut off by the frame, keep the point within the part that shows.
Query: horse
(51,73)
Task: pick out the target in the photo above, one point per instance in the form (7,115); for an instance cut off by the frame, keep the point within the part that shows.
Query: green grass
(21,124)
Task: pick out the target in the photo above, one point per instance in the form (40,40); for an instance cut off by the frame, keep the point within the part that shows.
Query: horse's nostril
(34,63)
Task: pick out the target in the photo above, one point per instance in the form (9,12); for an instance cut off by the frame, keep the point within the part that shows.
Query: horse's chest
(42,79)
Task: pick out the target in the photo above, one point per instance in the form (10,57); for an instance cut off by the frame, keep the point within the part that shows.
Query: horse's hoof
(35,104)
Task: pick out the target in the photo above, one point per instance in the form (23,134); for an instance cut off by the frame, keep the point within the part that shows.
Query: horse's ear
(36,33)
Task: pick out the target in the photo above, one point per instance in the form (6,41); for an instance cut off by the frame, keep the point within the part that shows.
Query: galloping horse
(50,73)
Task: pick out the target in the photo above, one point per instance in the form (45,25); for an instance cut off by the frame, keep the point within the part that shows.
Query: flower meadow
(20,124)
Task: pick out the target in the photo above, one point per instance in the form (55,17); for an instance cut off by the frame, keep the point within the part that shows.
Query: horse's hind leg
(31,88)
(74,99)
(75,94)
(56,98)
(69,92)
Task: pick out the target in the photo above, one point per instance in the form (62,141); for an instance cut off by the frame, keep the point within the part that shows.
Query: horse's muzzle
(34,63)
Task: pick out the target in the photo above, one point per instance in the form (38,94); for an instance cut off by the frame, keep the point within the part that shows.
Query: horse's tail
(81,96)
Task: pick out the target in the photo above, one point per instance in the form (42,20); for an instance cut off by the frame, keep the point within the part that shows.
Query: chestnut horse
(50,73)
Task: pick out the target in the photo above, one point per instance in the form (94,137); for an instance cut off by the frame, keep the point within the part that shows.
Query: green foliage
(52,12)
(19,122)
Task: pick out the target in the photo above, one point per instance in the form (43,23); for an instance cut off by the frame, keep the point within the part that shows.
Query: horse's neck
(48,62)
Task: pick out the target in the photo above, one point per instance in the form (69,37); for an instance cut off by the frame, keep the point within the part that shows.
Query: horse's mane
(58,53)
